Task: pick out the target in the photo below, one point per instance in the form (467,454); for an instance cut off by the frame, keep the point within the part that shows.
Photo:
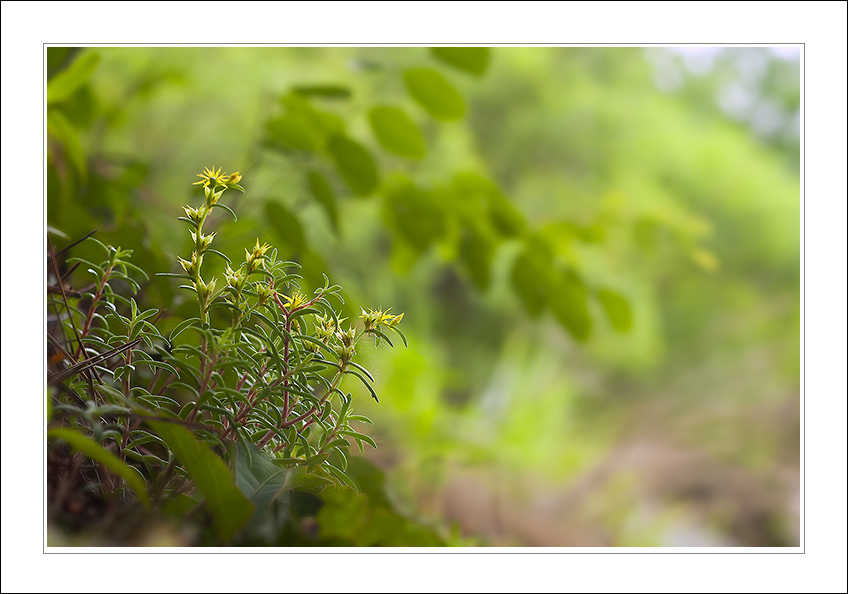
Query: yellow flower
(211,175)
(376,318)
(296,300)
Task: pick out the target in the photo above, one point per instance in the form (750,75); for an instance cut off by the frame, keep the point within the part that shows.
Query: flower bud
(202,241)
(235,278)
(195,214)
(264,293)
(192,267)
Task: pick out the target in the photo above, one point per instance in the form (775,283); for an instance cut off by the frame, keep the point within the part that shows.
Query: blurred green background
(596,251)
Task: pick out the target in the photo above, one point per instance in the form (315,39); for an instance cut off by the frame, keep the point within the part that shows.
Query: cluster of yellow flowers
(376,318)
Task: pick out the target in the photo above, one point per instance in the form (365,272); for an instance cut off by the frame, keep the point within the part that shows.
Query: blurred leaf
(530,274)
(396,132)
(305,504)
(504,216)
(286,225)
(355,164)
(229,507)
(473,60)
(325,122)
(56,56)
(66,83)
(343,512)
(61,129)
(434,93)
(705,259)
(381,529)
(568,302)
(414,213)
(370,480)
(295,131)
(323,193)
(96,452)
(323,91)
(617,309)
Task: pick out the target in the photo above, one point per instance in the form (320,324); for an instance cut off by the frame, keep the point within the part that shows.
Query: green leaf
(364,381)
(530,279)
(481,193)
(285,224)
(473,60)
(434,93)
(230,509)
(323,91)
(367,439)
(400,333)
(263,481)
(67,82)
(182,326)
(617,309)
(96,452)
(355,164)
(343,511)
(414,213)
(296,131)
(568,303)
(396,132)
(323,193)
(227,208)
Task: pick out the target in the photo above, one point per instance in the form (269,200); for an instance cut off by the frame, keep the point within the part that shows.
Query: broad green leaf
(66,83)
(355,164)
(396,132)
(305,504)
(323,91)
(61,129)
(285,224)
(323,193)
(617,308)
(473,60)
(230,509)
(263,481)
(96,452)
(568,302)
(434,93)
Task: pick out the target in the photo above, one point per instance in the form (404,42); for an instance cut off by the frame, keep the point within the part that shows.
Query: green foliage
(253,379)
